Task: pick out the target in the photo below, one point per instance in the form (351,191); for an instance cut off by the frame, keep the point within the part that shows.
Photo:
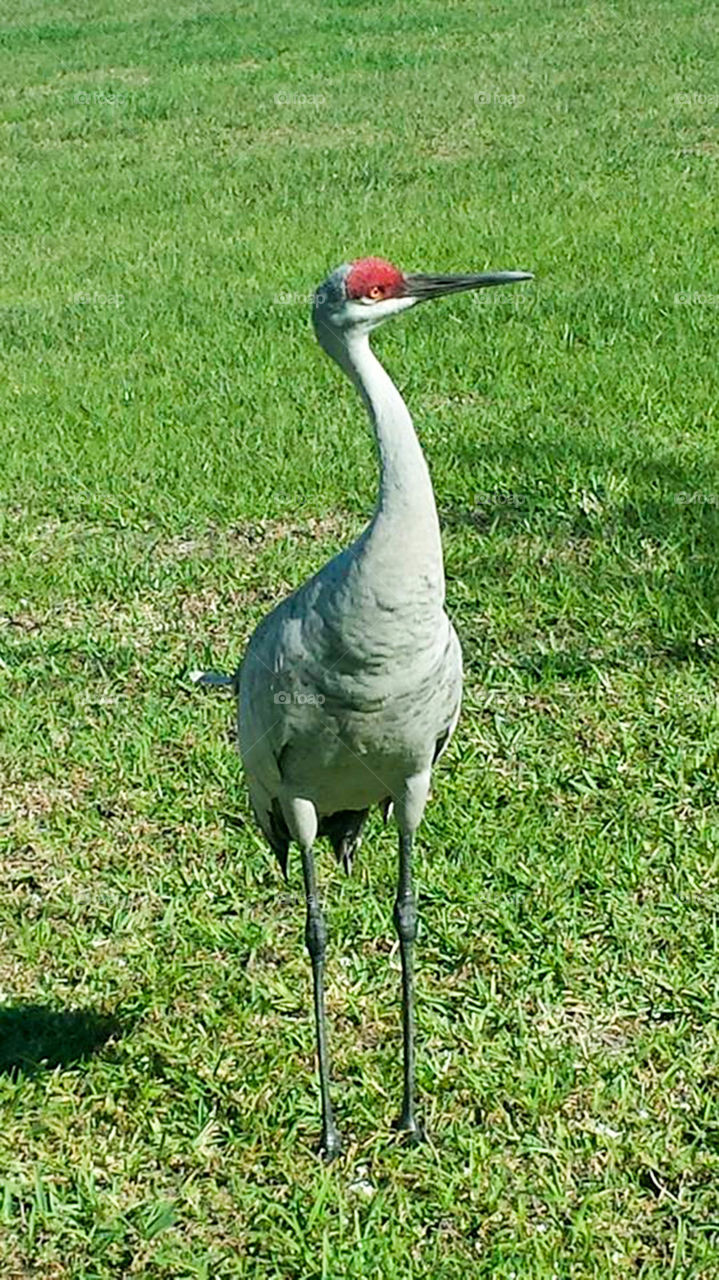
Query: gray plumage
(350,688)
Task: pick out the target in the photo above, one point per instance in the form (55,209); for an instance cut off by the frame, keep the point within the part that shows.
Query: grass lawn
(176,455)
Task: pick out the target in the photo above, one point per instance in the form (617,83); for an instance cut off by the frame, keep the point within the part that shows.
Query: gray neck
(406,509)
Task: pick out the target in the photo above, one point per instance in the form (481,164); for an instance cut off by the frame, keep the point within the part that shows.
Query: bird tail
(215,678)
(344,832)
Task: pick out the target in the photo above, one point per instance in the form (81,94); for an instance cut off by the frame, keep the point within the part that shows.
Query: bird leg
(316,940)
(405,919)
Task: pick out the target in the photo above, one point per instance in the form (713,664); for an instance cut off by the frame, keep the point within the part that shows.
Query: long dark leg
(316,939)
(405,919)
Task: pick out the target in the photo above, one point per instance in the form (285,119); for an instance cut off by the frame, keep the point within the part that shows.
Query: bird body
(350,688)
(348,684)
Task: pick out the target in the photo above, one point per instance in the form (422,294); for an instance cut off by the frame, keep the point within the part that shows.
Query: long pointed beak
(423,287)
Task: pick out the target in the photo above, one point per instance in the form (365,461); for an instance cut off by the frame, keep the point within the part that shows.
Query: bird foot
(330,1145)
(411,1131)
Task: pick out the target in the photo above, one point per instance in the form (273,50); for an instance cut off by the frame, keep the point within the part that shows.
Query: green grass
(176,454)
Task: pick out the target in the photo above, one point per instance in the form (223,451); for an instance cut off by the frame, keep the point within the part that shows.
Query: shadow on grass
(34,1037)
(612,538)
(665,497)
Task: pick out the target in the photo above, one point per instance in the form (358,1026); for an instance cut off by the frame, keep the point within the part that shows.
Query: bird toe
(411,1131)
(330,1146)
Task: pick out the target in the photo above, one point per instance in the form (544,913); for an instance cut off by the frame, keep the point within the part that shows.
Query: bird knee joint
(316,934)
(405,918)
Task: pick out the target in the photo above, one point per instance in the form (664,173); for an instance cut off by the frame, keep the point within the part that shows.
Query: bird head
(360,295)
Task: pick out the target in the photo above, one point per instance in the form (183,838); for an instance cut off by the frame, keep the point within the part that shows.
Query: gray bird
(350,688)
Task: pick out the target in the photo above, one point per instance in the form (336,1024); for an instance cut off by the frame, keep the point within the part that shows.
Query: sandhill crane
(350,688)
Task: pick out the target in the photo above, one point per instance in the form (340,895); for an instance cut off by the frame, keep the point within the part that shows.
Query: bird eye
(376,292)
